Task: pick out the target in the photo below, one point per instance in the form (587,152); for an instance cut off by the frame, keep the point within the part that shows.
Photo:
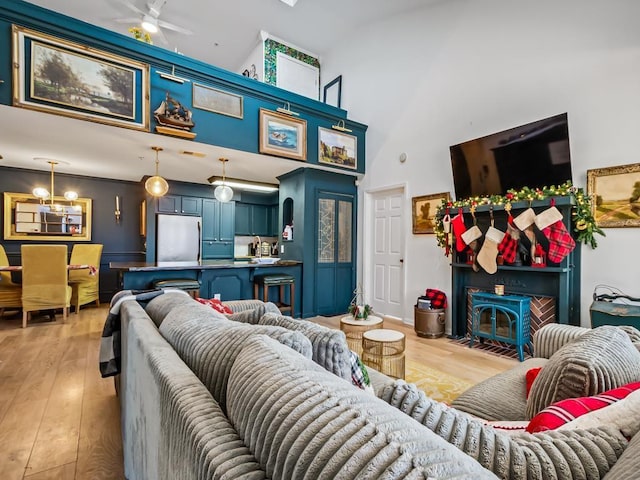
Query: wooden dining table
(18,268)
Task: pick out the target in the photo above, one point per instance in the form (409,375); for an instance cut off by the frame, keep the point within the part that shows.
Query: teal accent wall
(211,128)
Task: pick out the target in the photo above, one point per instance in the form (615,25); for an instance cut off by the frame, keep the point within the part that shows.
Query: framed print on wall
(615,195)
(283,135)
(337,148)
(217,101)
(423,212)
(58,76)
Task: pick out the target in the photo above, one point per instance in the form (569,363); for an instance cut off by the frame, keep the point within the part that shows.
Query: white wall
(466,68)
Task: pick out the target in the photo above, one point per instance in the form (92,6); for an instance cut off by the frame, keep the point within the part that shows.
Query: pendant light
(156,186)
(223,193)
(43,194)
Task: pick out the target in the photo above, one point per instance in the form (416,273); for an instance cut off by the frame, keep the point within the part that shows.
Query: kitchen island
(232,279)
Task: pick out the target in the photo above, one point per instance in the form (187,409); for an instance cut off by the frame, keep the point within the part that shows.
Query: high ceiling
(224,34)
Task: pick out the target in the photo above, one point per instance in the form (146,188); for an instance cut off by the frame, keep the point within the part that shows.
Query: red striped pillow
(217,305)
(567,410)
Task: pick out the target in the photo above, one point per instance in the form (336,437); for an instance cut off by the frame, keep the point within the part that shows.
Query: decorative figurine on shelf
(173,118)
(357,308)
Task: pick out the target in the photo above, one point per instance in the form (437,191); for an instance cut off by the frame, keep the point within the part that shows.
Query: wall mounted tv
(532,155)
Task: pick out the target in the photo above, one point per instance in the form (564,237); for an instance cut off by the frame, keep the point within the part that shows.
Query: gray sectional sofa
(204,397)
(258,395)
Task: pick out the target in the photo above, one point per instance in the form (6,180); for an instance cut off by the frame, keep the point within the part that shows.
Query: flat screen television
(532,155)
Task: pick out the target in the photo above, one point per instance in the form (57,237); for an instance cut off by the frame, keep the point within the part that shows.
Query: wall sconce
(117,211)
(287,110)
(340,127)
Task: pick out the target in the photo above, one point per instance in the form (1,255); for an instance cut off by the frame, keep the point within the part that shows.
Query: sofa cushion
(501,397)
(601,359)
(159,307)
(208,343)
(330,348)
(302,422)
(250,311)
(566,411)
(628,465)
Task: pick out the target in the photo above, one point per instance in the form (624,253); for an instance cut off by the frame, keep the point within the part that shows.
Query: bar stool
(192,287)
(275,280)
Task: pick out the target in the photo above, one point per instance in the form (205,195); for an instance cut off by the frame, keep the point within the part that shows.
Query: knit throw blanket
(554,455)
(110,341)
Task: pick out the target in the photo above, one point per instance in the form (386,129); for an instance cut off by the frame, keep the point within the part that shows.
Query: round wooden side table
(383,350)
(353,329)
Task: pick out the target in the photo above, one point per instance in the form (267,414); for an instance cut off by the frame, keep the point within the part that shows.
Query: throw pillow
(217,305)
(530,376)
(623,414)
(567,411)
(359,374)
(601,359)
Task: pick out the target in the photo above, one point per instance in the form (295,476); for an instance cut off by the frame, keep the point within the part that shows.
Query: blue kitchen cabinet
(183,205)
(218,229)
(254,219)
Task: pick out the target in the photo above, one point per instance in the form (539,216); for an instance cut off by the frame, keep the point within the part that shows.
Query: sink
(265,260)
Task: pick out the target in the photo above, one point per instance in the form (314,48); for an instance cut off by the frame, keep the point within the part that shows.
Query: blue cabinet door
(227,222)
(210,219)
(218,229)
(243,219)
(260,220)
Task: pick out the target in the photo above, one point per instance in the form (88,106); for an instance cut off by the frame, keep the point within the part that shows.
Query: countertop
(202,265)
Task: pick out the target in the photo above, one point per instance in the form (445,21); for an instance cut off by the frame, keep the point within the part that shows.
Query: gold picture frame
(26,218)
(283,135)
(615,195)
(95,85)
(337,148)
(217,101)
(423,212)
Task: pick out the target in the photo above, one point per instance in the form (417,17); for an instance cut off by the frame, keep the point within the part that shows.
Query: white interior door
(297,77)
(386,252)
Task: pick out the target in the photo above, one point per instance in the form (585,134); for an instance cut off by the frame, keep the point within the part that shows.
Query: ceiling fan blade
(171,26)
(130,6)
(161,36)
(135,20)
(155,7)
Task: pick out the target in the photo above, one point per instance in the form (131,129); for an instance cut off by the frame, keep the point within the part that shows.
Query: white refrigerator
(178,238)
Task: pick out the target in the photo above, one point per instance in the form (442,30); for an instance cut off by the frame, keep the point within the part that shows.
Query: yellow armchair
(85,288)
(44,279)
(10,293)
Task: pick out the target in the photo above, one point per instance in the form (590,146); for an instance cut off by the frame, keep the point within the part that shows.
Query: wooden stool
(353,330)
(275,280)
(192,287)
(383,350)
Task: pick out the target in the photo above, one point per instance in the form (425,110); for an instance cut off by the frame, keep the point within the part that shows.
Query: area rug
(493,348)
(434,383)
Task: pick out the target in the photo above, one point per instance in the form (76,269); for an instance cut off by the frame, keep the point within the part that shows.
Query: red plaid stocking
(561,242)
(508,247)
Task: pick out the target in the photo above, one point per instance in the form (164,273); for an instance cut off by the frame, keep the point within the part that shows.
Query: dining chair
(10,292)
(45,281)
(85,288)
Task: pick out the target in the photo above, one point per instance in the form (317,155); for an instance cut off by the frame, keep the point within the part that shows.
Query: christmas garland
(584,225)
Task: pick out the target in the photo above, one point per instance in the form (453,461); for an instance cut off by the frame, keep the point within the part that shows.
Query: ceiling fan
(149,20)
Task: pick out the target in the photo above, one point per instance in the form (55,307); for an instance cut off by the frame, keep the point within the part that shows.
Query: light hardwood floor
(60,420)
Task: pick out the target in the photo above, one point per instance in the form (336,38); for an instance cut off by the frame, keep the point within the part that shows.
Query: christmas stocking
(489,250)
(525,222)
(508,247)
(470,238)
(446,227)
(561,242)
(459,229)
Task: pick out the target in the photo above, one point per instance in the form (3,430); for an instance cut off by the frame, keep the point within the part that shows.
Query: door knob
(402,260)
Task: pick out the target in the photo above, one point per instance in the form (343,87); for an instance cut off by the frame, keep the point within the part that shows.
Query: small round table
(353,329)
(383,350)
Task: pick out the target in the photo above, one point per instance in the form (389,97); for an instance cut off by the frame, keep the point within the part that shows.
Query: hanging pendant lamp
(156,186)
(223,193)
(43,194)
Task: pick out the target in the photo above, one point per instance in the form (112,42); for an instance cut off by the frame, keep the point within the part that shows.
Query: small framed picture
(615,195)
(424,211)
(217,101)
(283,135)
(337,148)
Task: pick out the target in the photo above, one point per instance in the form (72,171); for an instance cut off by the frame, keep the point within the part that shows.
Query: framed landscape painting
(423,212)
(337,148)
(283,135)
(65,78)
(615,195)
